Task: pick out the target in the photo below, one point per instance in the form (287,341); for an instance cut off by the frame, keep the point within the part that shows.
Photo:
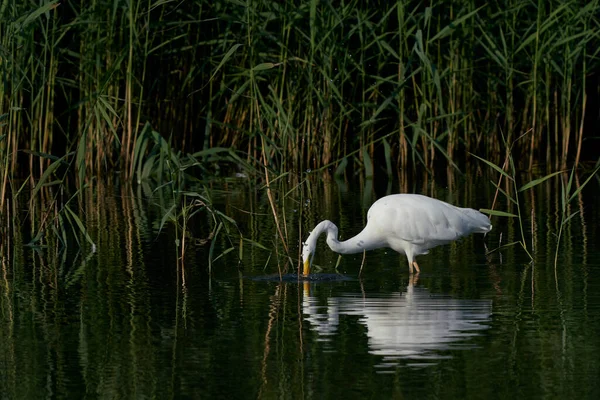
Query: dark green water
(127,322)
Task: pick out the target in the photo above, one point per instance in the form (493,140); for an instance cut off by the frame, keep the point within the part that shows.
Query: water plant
(167,93)
(512,189)
(326,81)
(569,193)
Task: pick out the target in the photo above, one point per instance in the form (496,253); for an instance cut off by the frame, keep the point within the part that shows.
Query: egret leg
(413,279)
(361,264)
(416,266)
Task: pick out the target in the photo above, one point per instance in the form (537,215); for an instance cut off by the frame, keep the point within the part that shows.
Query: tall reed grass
(166,90)
(308,82)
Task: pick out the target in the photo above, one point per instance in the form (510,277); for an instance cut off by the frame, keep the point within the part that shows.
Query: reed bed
(304,84)
(168,92)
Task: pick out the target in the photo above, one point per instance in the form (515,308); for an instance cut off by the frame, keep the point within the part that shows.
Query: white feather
(411,224)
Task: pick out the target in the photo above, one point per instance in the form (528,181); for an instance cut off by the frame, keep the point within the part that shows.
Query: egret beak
(306,267)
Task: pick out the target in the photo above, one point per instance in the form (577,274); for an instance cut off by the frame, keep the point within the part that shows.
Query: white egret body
(410,224)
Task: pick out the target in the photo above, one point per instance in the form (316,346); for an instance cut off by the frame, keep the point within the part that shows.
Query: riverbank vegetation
(170,92)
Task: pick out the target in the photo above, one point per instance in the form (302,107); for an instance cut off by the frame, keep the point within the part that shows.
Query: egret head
(308,250)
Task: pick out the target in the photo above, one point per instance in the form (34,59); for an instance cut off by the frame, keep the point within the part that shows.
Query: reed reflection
(414,324)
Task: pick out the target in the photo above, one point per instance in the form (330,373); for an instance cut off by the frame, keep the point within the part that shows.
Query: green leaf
(449,29)
(33,242)
(563,197)
(339,171)
(226,57)
(503,246)
(212,246)
(380,109)
(37,13)
(278,178)
(508,196)
(576,192)
(386,46)
(494,166)
(46,175)
(570,183)
(569,218)
(368,164)
(223,253)
(80,225)
(42,155)
(225,217)
(264,66)
(168,215)
(538,181)
(387,151)
(497,213)
(255,244)
(239,91)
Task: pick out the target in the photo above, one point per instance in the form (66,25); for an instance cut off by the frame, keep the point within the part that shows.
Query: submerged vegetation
(173,93)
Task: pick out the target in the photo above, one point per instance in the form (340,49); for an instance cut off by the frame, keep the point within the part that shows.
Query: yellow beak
(306,268)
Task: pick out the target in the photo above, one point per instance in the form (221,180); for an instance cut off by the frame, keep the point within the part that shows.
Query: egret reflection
(415,324)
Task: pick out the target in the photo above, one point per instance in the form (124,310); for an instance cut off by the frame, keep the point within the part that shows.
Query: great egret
(411,224)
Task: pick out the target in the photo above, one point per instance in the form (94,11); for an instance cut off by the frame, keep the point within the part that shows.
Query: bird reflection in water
(414,325)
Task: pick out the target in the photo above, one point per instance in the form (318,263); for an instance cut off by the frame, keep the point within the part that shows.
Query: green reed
(166,93)
(569,192)
(509,185)
(333,79)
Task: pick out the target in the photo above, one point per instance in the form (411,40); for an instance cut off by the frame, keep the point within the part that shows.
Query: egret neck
(356,244)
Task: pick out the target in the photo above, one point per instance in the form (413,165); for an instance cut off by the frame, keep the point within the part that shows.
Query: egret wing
(419,221)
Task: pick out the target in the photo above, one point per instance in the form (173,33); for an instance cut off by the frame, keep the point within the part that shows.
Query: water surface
(129,321)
